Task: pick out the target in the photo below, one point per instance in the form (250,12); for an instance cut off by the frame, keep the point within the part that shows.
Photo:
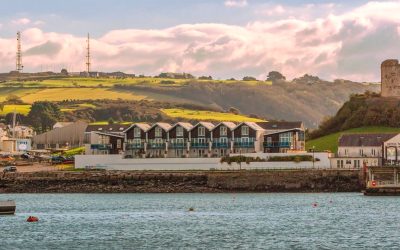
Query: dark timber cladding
(151,133)
(237,132)
(217,129)
(185,127)
(194,132)
(131,130)
(117,143)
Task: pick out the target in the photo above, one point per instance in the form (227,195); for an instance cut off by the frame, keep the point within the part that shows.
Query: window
(245,130)
(201,131)
(136,132)
(158,132)
(285,137)
(223,131)
(223,140)
(361,152)
(119,143)
(179,131)
(338,163)
(269,139)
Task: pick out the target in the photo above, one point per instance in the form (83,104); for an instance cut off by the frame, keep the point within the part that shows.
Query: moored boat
(7,207)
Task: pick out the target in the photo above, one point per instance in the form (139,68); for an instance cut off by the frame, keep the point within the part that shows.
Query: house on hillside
(136,140)
(157,137)
(247,137)
(222,144)
(178,140)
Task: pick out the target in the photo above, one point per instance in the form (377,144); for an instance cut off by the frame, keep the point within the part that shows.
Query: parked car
(26,156)
(10,169)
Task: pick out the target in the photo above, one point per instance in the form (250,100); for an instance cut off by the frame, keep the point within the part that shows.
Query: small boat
(7,207)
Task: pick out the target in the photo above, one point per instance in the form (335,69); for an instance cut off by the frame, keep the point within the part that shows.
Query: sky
(221,38)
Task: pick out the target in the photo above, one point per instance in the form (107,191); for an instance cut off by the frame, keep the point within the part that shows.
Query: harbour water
(219,221)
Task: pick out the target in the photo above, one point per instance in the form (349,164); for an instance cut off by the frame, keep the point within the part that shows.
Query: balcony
(132,146)
(156,145)
(244,144)
(101,146)
(199,145)
(177,145)
(277,144)
(220,144)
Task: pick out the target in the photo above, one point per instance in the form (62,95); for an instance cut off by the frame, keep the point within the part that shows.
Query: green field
(330,142)
(208,115)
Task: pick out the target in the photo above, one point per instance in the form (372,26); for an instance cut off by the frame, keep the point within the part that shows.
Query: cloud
(235,3)
(21,21)
(348,45)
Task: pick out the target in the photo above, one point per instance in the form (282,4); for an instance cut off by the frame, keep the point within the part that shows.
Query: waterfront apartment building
(202,139)
(357,150)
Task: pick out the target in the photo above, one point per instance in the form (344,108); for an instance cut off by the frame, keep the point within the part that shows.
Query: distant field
(20,109)
(59,94)
(207,115)
(330,142)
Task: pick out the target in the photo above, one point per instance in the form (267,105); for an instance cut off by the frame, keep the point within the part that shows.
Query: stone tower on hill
(390,78)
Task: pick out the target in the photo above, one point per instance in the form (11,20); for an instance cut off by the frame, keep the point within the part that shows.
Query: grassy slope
(330,142)
(207,115)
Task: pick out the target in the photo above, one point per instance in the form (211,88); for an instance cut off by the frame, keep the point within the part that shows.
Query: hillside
(306,100)
(360,111)
(330,142)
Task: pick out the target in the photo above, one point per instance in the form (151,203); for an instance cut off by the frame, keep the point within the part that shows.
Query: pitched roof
(207,125)
(230,125)
(252,125)
(141,125)
(365,140)
(282,131)
(165,126)
(111,134)
(185,125)
(280,125)
(107,127)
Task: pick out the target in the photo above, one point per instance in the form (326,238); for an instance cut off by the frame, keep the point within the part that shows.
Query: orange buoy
(32,219)
(373,183)
(315,204)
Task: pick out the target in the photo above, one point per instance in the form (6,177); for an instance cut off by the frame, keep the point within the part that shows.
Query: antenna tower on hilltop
(19,66)
(88,55)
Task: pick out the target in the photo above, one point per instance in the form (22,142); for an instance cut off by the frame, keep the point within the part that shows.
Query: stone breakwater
(182,182)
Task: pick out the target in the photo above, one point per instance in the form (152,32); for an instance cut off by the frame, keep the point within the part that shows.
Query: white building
(355,150)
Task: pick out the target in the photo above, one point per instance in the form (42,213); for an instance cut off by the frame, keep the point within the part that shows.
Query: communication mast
(19,66)
(88,55)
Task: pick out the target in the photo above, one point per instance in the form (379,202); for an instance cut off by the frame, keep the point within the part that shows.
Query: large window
(285,137)
(136,132)
(179,131)
(158,132)
(201,131)
(223,131)
(245,130)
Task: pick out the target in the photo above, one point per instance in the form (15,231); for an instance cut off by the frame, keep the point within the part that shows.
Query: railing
(244,144)
(177,145)
(220,144)
(101,146)
(277,144)
(199,144)
(134,146)
(156,145)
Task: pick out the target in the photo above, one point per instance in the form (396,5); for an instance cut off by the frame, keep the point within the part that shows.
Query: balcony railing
(156,145)
(220,144)
(244,144)
(199,144)
(101,146)
(277,144)
(134,146)
(177,145)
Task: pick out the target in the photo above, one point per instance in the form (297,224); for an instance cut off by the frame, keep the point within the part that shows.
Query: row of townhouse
(375,149)
(203,139)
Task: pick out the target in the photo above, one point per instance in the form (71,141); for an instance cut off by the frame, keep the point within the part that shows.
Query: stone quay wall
(182,182)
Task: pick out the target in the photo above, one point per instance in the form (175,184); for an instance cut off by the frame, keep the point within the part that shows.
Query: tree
(64,72)
(275,76)
(43,115)
(249,78)
(13,99)
(205,78)
(111,121)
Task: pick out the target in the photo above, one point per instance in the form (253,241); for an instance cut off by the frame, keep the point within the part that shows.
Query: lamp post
(313,159)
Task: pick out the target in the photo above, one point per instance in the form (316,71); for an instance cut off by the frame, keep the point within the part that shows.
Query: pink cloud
(235,3)
(21,21)
(350,45)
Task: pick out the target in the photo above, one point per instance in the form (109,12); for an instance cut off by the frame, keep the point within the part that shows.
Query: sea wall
(182,182)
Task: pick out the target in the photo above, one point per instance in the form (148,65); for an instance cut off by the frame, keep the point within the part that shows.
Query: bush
(239,159)
(294,158)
